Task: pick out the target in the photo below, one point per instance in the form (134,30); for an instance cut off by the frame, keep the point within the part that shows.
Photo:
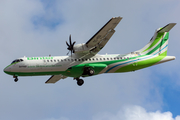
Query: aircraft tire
(16,79)
(80,82)
(91,72)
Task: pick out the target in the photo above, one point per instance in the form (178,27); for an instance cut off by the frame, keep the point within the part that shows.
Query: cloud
(130,112)
(135,113)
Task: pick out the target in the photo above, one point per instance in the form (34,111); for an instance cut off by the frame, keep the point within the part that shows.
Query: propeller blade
(73,46)
(70,45)
(73,51)
(68,52)
(73,43)
(67,44)
(70,40)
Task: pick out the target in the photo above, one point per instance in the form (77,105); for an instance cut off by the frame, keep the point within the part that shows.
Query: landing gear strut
(80,82)
(15,78)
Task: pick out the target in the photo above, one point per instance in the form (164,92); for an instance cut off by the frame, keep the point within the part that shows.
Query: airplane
(85,62)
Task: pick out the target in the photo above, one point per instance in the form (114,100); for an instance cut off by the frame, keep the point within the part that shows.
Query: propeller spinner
(70,46)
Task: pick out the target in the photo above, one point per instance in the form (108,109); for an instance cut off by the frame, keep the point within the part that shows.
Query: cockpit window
(17,60)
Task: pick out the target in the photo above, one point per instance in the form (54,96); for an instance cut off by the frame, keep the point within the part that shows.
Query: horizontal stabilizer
(167,28)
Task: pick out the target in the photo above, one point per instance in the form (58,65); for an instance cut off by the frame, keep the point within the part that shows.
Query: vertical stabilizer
(159,42)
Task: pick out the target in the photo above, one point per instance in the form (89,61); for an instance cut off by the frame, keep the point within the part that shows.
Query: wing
(99,40)
(55,78)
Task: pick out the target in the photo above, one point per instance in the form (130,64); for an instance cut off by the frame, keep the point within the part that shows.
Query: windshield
(17,60)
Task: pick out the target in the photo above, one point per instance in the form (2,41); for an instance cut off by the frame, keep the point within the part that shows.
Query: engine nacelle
(81,48)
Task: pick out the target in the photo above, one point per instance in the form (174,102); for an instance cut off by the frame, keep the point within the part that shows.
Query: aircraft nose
(7,69)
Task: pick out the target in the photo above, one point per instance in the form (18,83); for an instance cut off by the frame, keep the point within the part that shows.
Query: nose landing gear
(15,78)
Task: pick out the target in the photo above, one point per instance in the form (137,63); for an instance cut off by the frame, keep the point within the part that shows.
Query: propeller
(70,46)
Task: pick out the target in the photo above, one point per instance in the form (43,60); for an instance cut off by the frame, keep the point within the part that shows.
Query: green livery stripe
(141,64)
(158,38)
(164,53)
(159,45)
(69,72)
(77,71)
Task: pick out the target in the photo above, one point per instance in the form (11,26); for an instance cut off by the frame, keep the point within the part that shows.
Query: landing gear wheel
(80,82)
(91,72)
(16,79)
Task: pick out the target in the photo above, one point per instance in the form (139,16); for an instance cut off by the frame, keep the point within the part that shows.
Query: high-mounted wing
(55,78)
(99,40)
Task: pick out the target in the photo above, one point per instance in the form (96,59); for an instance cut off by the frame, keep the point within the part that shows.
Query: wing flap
(103,42)
(55,78)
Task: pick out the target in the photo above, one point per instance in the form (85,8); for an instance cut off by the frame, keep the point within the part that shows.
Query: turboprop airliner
(85,62)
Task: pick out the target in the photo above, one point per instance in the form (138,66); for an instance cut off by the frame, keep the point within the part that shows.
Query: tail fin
(159,42)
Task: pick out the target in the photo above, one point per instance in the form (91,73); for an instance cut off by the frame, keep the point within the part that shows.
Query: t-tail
(158,44)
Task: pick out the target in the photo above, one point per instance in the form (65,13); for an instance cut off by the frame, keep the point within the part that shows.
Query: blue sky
(41,27)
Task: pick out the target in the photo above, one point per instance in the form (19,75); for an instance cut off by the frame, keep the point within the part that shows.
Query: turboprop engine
(81,48)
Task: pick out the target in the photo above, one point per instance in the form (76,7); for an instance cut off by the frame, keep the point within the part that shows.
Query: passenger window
(93,59)
(47,60)
(44,60)
(118,58)
(58,60)
(111,58)
(64,59)
(107,58)
(114,58)
(96,58)
(51,60)
(79,59)
(90,59)
(104,58)
(54,60)
(100,58)
(82,59)
(68,59)
(71,59)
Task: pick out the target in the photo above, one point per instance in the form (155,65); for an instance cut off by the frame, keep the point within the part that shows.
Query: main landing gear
(87,71)
(80,82)
(15,78)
